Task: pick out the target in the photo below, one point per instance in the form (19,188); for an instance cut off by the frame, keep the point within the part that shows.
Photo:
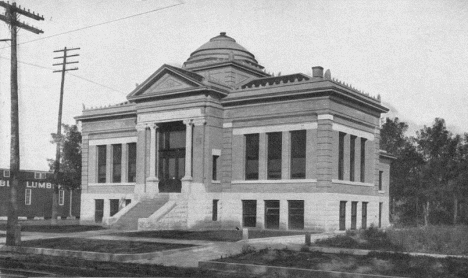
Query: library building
(219,143)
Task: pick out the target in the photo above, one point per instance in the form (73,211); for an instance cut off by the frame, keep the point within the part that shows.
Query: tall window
(352,157)
(380,214)
(353,215)
(380,179)
(132,162)
(215,167)
(364,215)
(215,210)
(274,155)
(363,159)
(61,197)
(251,156)
(249,213)
(341,156)
(27,197)
(117,163)
(298,154)
(102,154)
(342,215)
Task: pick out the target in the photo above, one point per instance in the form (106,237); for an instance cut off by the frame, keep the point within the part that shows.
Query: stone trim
(110,141)
(352,131)
(170,116)
(112,184)
(325,117)
(352,182)
(273,181)
(273,128)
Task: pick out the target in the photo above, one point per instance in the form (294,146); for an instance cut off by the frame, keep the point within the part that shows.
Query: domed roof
(219,48)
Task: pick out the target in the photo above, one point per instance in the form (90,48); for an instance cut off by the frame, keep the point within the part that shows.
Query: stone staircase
(175,219)
(143,209)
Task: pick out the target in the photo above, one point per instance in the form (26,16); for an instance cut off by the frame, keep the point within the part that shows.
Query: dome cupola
(221,48)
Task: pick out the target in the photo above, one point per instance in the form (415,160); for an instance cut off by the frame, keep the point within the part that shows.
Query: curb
(96,256)
(278,271)
(364,252)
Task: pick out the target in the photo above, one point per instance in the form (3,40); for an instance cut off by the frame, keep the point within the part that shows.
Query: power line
(100,24)
(77,76)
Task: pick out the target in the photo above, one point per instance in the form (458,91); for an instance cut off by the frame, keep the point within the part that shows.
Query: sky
(414,54)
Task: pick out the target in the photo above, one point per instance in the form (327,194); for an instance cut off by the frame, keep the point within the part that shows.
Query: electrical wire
(77,76)
(100,24)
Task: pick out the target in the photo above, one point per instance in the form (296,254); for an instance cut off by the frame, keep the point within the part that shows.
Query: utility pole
(12,13)
(58,136)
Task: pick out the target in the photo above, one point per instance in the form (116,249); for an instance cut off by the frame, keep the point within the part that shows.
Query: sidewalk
(218,249)
(206,250)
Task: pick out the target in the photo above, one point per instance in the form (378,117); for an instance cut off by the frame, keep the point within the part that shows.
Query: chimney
(317,72)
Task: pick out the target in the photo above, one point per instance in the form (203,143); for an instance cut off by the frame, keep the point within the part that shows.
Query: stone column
(286,156)
(124,161)
(326,143)
(199,156)
(262,156)
(109,164)
(152,181)
(187,179)
(141,158)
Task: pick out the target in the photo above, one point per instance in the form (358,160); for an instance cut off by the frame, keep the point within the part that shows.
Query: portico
(169,144)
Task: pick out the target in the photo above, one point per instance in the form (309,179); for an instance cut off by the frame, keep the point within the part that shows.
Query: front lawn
(215,235)
(448,240)
(56,228)
(374,263)
(106,246)
(67,267)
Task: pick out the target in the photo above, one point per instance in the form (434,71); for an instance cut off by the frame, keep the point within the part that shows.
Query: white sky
(413,53)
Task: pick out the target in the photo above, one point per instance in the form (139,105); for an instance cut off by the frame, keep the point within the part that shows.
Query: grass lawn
(106,246)
(448,240)
(215,235)
(66,267)
(56,229)
(374,263)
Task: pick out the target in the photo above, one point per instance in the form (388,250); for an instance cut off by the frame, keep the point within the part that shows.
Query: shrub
(452,240)
(343,241)
(246,249)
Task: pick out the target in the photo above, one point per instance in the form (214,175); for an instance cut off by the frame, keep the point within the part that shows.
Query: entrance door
(171,157)
(99,210)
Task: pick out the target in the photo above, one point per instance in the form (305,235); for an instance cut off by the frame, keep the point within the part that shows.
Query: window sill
(273,181)
(217,182)
(381,191)
(112,184)
(353,183)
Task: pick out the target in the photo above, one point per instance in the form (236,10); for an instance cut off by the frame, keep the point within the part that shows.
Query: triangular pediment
(167,80)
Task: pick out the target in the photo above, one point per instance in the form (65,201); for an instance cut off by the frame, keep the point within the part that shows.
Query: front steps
(143,209)
(173,216)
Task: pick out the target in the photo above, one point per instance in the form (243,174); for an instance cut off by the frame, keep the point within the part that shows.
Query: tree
(405,179)
(69,176)
(438,147)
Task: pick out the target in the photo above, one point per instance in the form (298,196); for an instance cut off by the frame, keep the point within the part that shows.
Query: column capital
(153,126)
(141,127)
(188,122)
(199,121)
